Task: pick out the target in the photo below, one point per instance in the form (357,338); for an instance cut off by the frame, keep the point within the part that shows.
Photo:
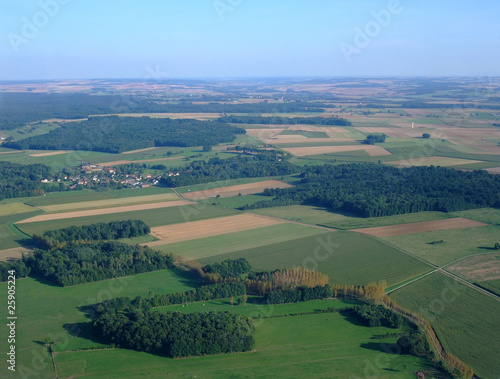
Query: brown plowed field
(420,227)
(97,212)
(50,153)
(316,150)
(244,189)
(208,228)
(14,253)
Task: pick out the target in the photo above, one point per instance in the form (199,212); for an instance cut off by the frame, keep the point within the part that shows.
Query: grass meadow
(465,320)
(347,258)
(318,345)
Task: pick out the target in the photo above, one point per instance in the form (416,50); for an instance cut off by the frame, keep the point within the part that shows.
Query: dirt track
(97,212)
(420,227)
(244,189)
(207,228)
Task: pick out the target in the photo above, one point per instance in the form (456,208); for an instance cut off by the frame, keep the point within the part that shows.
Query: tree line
(228,268)
(94,232)
(298,294)
(371,190)
(114,134)
(373,316)
(372,139)
(280,120)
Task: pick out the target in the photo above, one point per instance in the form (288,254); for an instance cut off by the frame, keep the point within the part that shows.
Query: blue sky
(69,39)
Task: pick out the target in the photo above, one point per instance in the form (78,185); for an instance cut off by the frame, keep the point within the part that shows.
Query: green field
(10,237)
(227,243)
(486,215)
(321,216)
(491,285)
(466,321)
(152,217)
(304,133)
(43,310)
(222,183)
(457,243)
(236,201)
(306,346)
(347,258)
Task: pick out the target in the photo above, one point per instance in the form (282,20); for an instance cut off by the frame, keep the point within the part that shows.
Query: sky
(87,39)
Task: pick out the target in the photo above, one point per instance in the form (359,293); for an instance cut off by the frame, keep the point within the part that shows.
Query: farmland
(456,243)
(462,318)
(321,345)
(347,258)
(205,224)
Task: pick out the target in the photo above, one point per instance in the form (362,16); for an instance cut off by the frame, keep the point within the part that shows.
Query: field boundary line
(296,222)
(412,281)
(469,284)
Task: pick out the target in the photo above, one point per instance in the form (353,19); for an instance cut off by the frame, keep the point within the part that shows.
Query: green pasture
(347,258)
(286,347)
(465,320)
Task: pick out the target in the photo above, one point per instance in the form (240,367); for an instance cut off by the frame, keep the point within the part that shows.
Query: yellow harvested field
(109,203)
(50,153)
(420,227)
(97,212)
(372,150)
(115,163)
(14,253)
(208,228)
(435,161)
(244,189)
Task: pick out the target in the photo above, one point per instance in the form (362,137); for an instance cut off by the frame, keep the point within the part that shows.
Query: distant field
(478,268)
(456,243)
(43,310)
(465,320)
(230,191)
(208,228)
(420,227)
(435,161)
(347,258)
(321,216)
(287,347)
(110,203)
(206,187)
(104,211)
(228,243)
(372,150)
(152,217)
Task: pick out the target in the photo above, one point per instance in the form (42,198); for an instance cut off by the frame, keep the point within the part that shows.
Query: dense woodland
(17,180)
(83,263)
(372,190)
(216,169)
(21,108)
(114,134)
(280,120)
(374,316)
(295,295)
(176,334)
(372,139)
(94,232)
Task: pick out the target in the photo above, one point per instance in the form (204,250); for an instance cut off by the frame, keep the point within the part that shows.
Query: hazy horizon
(242,39)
